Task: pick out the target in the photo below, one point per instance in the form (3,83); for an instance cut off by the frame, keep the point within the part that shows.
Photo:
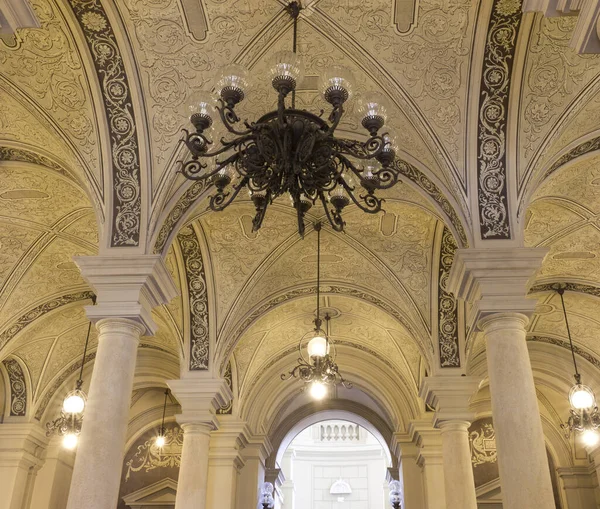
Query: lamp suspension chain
(162,424)
(318,318)
(79,382)
(561,292)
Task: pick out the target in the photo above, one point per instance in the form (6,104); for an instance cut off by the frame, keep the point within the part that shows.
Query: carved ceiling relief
(45,65)
(555,75)
(18,388)
(503,30)
(430,62)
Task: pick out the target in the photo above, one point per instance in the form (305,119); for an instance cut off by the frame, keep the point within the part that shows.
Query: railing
(339,432)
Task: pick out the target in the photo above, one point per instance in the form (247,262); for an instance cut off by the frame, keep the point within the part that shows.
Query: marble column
(199,399)
(128,288)
(495,281)
(224,463)
(410,473)
(579,485)
(21,446)
(522,459)
(429,441)
(193,471)
(450,396)
(51,489)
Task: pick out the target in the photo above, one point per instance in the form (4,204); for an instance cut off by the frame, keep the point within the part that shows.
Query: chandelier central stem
(561,292)
(318,317)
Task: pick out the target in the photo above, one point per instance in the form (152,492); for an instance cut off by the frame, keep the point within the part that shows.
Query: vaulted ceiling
(497,120)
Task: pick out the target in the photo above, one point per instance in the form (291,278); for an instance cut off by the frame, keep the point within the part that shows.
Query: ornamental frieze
(18,388)
(198,298)
(447,308)
(503,29)
(118,107)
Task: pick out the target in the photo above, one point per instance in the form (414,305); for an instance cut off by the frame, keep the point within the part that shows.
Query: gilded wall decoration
(118,107)
(198,298)
(18,388)
(228,376)
(447,308)
(502,35)
(37,312)
(483,444)
(149,456)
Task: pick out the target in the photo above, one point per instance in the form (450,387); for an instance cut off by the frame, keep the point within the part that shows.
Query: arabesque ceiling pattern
(91,110)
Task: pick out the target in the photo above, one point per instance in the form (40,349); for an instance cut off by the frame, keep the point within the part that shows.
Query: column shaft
(458,471)
(522,460)
(98,463)
(433,475)
(193,472)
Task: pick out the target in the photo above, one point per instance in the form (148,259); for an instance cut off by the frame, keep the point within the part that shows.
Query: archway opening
(334,463)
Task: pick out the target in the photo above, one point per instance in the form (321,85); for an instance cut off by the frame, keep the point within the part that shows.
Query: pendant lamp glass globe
(318,390)
(582,397)
(318,346)
(590,437)
(70,441)
(74,403)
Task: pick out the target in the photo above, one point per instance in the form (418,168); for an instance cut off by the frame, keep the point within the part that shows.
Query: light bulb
(70,441)
(590,437)
(74,403)
(160,441)
(581,397)
(318,347)
(318,390)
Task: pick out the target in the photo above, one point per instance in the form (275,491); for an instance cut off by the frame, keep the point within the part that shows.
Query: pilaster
(450,396)
(579,484)
(255,455)
(200,398)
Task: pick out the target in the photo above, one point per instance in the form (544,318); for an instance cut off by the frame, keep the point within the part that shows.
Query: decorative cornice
(38,311)
(447,308)
(503,29)
(198,299)
(569,287)
(27,156)
(118,107)
(564,344)
(18,388)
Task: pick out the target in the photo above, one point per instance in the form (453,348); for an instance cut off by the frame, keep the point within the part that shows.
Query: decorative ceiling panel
(47,67)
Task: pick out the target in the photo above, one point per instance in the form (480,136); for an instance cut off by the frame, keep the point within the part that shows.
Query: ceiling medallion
(584,416)
(290,151)
(318,370)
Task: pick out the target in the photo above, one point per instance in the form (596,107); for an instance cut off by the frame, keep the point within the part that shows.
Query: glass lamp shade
(590,437)
(395,493)
(390,138)
(318,390)
(266,495)
(70,441)
(287,71)
(203,109)
(74,403)
(336,85)
(582,397)
(373,110)
(318,346)
(233,83)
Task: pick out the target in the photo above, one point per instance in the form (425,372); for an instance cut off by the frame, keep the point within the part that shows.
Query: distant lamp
(70,440)
(318,390)
(584,417)
(161,439)
(396,494)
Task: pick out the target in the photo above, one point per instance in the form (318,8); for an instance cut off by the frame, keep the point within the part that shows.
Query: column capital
(22,445)
(127,286)
(258,447)
(200,398)
(450,396)
(503,322)
(495,280)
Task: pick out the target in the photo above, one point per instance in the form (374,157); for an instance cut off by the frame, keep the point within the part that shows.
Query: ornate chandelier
(584,417)
(318,369)
(291,151)
(68,424)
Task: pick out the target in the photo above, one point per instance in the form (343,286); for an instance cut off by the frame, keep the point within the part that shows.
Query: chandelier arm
(367,150)
(260,213)
(196,142)
(228,145)
(191,168)
(333,216)
(386,178)
(229,118)
(218,202)
(373,204)
(335,117)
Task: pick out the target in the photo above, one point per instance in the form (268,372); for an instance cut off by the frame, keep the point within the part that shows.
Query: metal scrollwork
(495,85)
